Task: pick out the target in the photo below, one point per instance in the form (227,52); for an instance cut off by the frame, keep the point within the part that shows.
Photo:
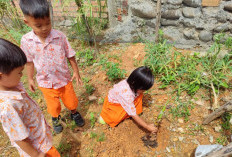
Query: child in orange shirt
(125,99)
(21,117)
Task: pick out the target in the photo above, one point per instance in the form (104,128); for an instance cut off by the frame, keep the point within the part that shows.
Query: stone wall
(185,22)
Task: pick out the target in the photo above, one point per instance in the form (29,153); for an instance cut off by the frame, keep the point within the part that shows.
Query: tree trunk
(158,17)
(51,11)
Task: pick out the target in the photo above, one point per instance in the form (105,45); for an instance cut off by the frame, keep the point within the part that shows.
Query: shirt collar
(16,95)
(53,34)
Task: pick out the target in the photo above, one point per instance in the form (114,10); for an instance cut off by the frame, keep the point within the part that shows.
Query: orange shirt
(22,118)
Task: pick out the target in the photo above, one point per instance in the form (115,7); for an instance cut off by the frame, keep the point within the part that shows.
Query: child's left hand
(78,79)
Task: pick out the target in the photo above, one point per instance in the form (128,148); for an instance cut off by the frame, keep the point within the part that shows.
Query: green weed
(113,71)
(182,110)
(64,147)
(93,135)
(226,121)
(86,57)
(222,140)
(92,119)
(101,138)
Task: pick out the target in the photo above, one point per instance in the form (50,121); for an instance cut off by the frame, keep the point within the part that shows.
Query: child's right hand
(152,128)
(32,85)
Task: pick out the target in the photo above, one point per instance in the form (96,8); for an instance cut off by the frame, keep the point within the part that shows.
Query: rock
(221,16)
(168,150)
(175,139)
(171,14)
(228,7)
(92,98)
(181,139)
(205,36)
(211,139)
(190,33)
(191,12)
(200,102)
(203,150)
(195,141)
(231,120)
(151,23)
(174,2)
(65,23)
(181,130)
(172,33)
(192,3)
(210,11)
(222,28)
(218,128)
(145,9)
(180,120)
(165,22)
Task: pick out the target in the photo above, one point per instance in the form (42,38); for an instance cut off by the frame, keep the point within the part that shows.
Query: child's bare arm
(76,74)
(30,75)
(141,122)
(27,147)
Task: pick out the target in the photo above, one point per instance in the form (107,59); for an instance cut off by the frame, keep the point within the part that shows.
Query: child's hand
(152,128)
(32,85)
(78,79)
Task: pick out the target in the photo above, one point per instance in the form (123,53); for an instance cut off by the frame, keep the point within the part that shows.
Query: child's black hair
(35,8)
(11,56)
(141,79)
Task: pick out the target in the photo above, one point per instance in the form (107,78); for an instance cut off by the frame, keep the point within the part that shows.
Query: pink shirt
(22,118)
(121,93)
(50,59)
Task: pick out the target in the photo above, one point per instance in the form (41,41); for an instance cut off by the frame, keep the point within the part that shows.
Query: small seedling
(222,140)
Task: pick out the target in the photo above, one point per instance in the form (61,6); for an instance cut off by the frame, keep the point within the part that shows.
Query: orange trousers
(113,113)
(53,96)
(53,152)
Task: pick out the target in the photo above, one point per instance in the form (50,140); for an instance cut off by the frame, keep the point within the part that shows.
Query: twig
(215,104)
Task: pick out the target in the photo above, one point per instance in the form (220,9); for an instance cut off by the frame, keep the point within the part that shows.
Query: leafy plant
(222,140)
(114,72)
(93,135)
(101,138)
(88,87)
(92,119)
(226,121)
(86,57)
(181,110)
(64,147)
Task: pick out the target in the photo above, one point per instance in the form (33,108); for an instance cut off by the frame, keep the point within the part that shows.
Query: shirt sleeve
(127,102)
(24,47)
(69,52)
(13,124)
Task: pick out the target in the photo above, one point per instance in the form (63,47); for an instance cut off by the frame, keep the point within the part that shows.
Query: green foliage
(86,57)
(101,138)
(64,147)
(92,119)
(190,72)
(93,135)
(182,110)
(88,87)
(222,140)
(226,121)
(113,71)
